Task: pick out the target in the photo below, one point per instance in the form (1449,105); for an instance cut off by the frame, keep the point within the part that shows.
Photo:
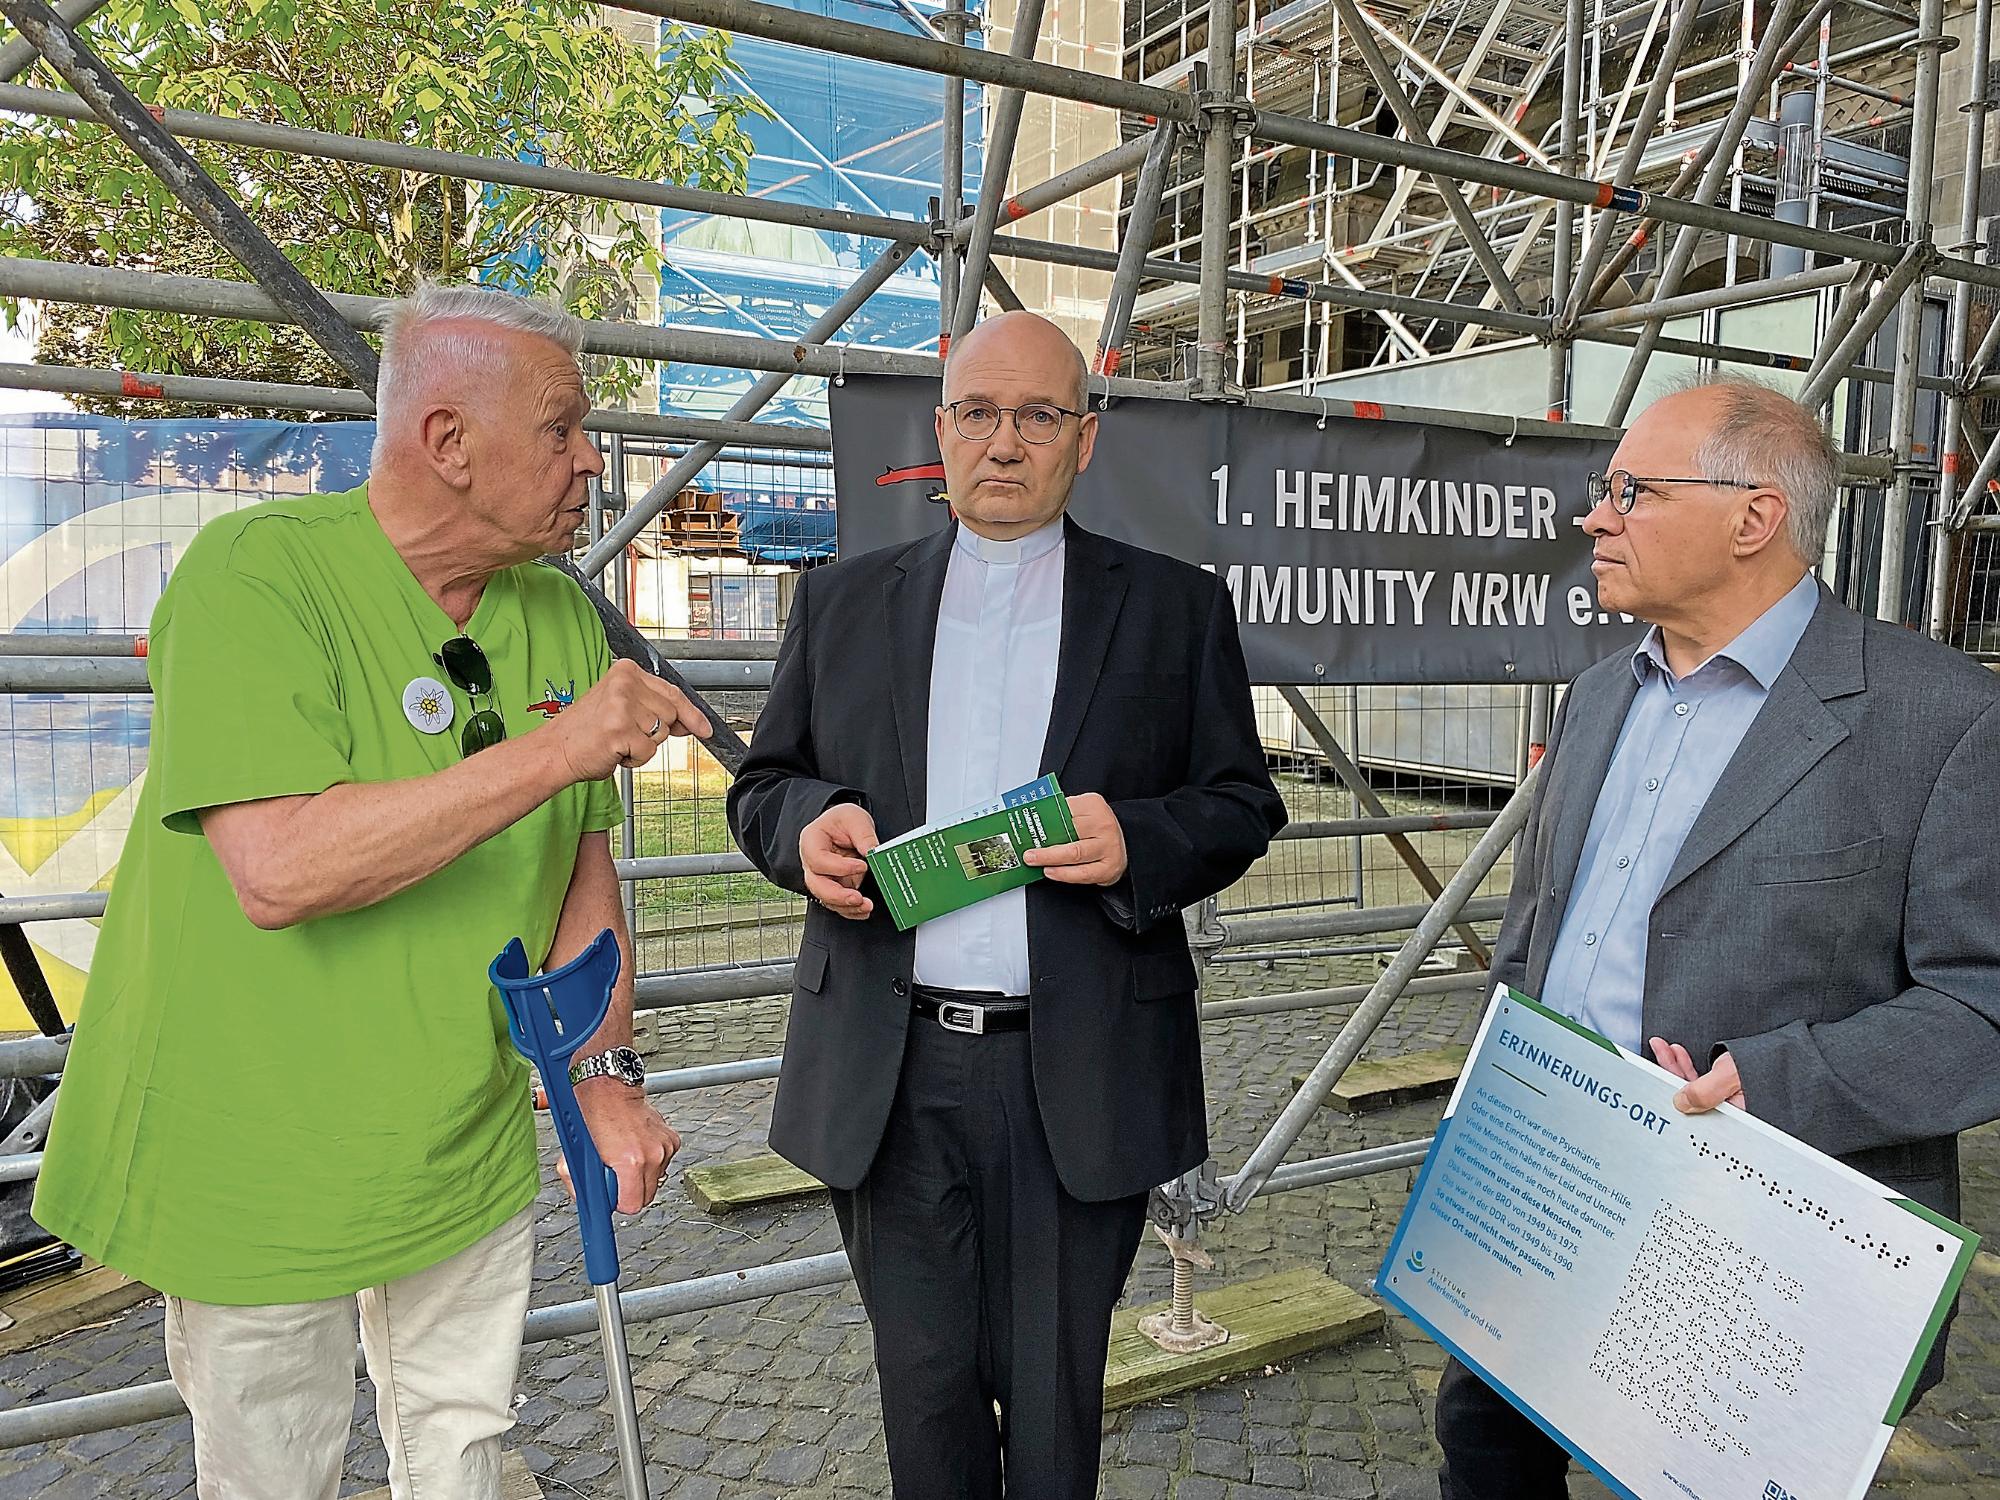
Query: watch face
(625,1062)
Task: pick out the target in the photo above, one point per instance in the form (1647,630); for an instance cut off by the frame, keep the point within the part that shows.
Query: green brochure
(937,869)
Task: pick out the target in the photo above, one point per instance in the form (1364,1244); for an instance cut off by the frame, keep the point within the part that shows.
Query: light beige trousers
(272,1388)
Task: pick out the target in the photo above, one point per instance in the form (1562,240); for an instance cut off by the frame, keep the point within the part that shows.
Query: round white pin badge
(427,705)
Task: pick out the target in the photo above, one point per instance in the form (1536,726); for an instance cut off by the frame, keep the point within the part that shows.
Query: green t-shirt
(257,1117)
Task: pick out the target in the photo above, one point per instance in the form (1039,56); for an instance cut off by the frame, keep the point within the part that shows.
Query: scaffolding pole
(956,21)
(998,161)
(1452,904)
(201,296)
(1067,183)
(849,39)
(19,54)
(116,105)
(1557,402)
(1139,227)
(1889,586)
(73,380)
(1722,150)
(1412,125)
(1583,293)
(1830,366)
(1218,114)
(462,166)
(1741,294)
(641,513)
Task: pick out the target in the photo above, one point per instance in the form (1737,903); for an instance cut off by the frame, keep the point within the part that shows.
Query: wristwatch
(621,1063)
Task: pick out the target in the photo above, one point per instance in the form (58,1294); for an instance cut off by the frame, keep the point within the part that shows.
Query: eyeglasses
(1039,423)
(466,665)
(1622,489)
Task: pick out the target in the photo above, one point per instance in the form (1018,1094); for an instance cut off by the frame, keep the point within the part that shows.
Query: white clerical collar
(1021,550)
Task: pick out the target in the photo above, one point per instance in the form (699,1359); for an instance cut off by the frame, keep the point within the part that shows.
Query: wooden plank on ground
(517,1481)
(1273,1318)
(751,1183)
(1381,1082)
(49,1309)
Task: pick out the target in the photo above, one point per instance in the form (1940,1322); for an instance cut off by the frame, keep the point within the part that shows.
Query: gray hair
(407,356)
(1762,434)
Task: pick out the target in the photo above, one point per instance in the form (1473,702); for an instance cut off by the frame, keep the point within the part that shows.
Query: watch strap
(621,1063)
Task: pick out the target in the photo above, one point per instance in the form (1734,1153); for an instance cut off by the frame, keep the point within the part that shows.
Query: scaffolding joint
(1223,108)
(1942,43)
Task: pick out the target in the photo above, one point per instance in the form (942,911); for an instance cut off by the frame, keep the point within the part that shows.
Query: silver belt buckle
(969,1020)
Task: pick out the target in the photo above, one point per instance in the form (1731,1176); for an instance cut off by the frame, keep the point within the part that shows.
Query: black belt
(969,1012)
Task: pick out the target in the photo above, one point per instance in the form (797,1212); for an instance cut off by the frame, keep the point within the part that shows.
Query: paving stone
(1163,1448)
(737,1401)
(743,1425)
(1335,1480)
(1136,1482)
(793,1466)
(733,1461)
(1156,1419)
(1218,1424)
(1213,1456)
(1277,1471)
(586,1467)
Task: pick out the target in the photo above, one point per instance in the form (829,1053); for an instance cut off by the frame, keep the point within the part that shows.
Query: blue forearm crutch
(550,1016)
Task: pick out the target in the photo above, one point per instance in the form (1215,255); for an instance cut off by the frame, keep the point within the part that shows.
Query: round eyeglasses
(1622,489)
(1039,423)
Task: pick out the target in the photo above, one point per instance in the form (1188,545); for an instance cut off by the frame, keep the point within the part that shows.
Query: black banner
(1357,551)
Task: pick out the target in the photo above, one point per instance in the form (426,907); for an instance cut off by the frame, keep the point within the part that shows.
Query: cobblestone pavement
(777,1398)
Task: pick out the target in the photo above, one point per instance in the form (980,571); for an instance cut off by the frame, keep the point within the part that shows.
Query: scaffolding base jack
(1181,1329)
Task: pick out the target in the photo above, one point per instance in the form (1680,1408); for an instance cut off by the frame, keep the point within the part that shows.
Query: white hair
(1764,436)
(409,358)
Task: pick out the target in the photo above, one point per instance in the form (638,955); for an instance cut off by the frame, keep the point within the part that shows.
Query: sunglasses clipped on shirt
(466,665)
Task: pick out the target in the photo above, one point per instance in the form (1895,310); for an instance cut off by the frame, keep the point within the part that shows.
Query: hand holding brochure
(937,869)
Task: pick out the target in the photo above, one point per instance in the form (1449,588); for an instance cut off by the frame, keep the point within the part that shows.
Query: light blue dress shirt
(993,683)
(1678,737)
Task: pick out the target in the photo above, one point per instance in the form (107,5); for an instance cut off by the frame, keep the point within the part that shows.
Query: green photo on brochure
(941,868)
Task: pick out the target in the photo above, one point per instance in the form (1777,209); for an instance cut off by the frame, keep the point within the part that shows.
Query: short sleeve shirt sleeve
(603,808)
(247,703)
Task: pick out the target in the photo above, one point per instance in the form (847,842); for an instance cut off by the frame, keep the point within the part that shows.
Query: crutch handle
(550,1016)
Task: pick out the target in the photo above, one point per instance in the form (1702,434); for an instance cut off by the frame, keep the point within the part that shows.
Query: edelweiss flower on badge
(427,705)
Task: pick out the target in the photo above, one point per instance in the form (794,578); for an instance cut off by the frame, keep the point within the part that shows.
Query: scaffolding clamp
(1177,1210)
(1224,109)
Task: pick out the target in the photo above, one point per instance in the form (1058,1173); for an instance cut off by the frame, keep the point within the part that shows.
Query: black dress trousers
(987,1284)
(1491,1451)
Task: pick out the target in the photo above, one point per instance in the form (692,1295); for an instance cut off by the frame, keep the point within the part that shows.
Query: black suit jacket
(1152,711)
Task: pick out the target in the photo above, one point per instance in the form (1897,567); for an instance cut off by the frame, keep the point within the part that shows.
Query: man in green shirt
(380,747)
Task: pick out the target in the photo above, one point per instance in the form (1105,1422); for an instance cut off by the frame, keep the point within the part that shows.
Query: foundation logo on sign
(94,514)
(1776,1491)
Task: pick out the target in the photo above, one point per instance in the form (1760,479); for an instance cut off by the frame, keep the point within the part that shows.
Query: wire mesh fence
(1971,619)
(94,513)
(97,511)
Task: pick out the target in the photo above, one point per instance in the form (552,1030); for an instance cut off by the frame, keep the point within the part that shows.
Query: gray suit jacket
(1833,919)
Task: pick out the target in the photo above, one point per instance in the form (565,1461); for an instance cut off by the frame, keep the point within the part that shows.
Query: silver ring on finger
(654,732)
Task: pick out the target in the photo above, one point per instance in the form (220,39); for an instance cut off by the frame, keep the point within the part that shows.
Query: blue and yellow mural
(94,512)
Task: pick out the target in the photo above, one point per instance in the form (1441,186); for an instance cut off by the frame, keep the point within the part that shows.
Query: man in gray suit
(1764,845)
